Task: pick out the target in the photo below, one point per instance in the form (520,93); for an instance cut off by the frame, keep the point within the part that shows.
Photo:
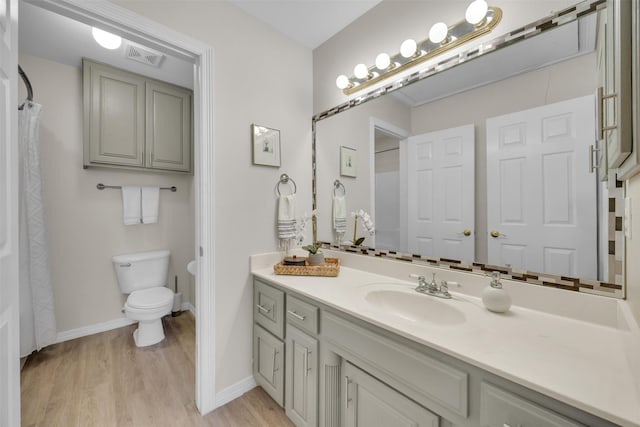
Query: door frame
(134,27)
(389,129)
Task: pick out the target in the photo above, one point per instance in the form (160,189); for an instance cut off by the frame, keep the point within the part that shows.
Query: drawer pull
(296,315)
(263,309)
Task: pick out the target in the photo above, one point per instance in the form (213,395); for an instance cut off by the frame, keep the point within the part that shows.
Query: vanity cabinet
(134,122)
(342,371)
(370,402)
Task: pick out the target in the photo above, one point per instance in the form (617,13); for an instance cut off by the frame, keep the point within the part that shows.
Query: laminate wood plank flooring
(105,380)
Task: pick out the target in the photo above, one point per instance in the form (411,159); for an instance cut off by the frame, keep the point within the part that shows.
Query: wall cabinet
(132,121)
(369,402)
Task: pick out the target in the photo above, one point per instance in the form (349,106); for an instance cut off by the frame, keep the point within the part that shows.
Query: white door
(9,307)
(440,193)
(541,197)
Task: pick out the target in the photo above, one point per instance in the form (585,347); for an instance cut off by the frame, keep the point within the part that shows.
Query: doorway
(132,27)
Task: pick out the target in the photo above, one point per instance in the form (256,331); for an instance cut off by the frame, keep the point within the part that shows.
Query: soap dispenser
(494,297)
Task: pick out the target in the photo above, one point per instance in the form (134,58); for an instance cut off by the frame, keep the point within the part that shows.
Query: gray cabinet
(168,137)
(268,363)
(134,122)
(301,392)
(268,336)
(369,402)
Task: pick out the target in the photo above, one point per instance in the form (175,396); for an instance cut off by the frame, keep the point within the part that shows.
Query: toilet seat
(149,299)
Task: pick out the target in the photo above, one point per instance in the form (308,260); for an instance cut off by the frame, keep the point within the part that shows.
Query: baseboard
(93,329)
(187,306)
(234,391)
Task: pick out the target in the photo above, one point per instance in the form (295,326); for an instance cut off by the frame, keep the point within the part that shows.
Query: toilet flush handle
(126,265)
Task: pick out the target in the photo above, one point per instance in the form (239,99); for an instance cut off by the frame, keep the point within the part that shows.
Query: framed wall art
(266,145)
(348,162)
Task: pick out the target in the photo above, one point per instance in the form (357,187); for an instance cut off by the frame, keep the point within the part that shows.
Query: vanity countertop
(582,363)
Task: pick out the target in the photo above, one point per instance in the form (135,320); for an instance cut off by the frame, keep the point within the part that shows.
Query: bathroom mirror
(477,103)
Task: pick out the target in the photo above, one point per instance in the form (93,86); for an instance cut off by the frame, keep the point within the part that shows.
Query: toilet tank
(141,270)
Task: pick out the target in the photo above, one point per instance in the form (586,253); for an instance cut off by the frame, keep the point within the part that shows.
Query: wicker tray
(331,268)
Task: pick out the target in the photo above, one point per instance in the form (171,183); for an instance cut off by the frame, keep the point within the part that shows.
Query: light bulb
(383,61)
(105,39)
(342,81)
(361,71)
(476,12)
(438,33)
(408,48)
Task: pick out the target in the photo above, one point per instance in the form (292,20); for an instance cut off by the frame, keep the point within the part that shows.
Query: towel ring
(284,179)
(337,185)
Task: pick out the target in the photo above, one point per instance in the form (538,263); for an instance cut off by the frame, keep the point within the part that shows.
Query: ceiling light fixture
(441,38)
(105,39)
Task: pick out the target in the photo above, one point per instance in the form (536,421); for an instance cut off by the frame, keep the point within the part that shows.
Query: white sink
(414,306)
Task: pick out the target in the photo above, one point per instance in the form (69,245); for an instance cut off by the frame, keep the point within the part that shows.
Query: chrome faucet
(432,288)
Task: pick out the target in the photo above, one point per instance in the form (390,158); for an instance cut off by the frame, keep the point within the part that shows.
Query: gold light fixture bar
(459,33)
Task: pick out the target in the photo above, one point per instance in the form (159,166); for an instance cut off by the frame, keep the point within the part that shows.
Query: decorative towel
(131,205)
(286,226)
(339,214)
(150,204)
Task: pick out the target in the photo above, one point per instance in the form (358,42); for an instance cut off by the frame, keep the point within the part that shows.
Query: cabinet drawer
(424,379)
(499,408)
(268,308)
(302,315)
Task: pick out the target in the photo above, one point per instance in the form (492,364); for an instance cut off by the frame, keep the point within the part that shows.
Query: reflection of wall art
(348,162)
(266,146)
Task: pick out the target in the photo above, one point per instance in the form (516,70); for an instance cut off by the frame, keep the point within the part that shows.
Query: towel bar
(101,186)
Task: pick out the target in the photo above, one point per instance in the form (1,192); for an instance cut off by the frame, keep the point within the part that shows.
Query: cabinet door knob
(467,233)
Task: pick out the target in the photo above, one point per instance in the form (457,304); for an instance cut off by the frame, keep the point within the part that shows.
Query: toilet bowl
(143,276)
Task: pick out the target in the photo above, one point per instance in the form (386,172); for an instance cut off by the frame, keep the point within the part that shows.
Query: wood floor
(105,380)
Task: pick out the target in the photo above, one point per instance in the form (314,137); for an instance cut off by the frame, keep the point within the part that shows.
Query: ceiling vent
(144,54)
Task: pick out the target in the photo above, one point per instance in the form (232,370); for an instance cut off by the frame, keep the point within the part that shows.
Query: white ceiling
(309,22)
(51,36)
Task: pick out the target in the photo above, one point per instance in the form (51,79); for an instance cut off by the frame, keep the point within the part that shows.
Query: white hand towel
(131,206)
(150,204)
(339,214)
(286,226)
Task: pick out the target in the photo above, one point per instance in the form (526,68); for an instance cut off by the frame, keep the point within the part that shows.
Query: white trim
(235,390)
(388,128)
(96,328)
(136,28)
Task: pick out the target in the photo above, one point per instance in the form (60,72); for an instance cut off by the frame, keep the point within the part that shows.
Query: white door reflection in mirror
(541,197)
(440,193)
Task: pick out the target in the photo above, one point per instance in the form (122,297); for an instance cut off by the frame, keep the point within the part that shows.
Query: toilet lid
(150,298)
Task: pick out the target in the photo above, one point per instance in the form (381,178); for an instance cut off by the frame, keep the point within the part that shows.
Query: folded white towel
(150,204)
(339,214)
(131,205)
(286,225)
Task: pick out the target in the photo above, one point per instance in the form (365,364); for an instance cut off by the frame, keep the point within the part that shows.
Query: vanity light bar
(412,53)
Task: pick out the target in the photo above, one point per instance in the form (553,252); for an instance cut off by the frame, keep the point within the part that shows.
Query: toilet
(143,276)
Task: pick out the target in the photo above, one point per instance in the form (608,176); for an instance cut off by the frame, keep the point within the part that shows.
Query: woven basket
(330,268)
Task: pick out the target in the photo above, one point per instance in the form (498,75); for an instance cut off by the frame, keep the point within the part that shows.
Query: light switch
(627,217)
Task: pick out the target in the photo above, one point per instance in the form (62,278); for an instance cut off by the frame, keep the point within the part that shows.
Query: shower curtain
(37,318)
